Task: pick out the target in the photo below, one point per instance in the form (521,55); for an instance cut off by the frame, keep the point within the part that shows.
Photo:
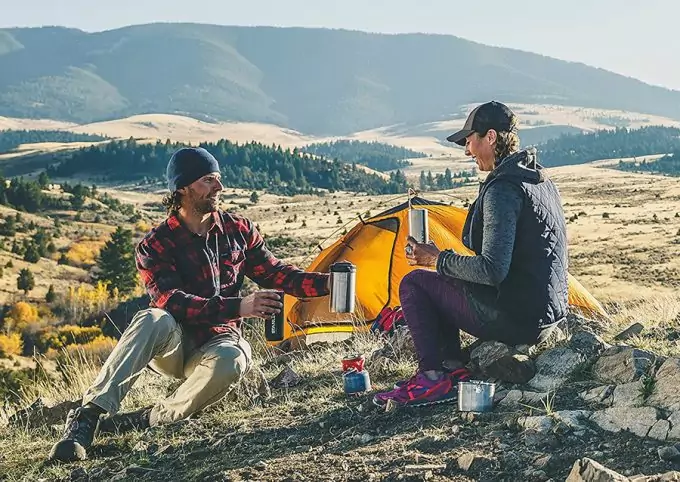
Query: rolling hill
(317,81)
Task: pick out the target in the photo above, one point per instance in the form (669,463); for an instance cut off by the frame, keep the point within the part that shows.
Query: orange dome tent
(376,247)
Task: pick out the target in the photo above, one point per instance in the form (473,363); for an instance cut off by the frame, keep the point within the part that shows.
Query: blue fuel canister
(356,382)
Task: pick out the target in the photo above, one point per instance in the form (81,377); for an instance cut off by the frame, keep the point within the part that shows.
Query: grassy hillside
(313,80)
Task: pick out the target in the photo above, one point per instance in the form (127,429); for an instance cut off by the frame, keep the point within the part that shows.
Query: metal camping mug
(475,396)
(418,225)
(343,286)
(273,326)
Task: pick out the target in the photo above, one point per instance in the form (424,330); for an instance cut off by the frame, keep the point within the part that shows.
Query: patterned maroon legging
(436,308)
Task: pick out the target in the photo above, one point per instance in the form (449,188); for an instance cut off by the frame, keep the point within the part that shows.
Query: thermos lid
(343,267)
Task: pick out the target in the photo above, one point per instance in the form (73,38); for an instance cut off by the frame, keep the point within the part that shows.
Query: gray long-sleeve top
(502,204)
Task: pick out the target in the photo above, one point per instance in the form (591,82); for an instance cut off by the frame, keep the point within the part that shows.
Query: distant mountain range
(317,81)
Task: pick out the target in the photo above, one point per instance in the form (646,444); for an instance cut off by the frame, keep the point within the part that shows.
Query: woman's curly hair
(507,142)
(172,202)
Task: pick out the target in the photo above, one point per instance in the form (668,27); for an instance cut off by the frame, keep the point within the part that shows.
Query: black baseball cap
(492,115)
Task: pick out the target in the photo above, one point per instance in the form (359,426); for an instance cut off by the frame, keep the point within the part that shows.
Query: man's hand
(421,254)
(262,304)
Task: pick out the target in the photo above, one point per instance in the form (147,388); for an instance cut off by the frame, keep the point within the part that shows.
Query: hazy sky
(638,38)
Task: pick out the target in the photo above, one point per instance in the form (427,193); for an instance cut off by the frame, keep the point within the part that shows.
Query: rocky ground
(561,410)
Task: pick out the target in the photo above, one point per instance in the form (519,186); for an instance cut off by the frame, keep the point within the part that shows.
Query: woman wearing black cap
(514,289)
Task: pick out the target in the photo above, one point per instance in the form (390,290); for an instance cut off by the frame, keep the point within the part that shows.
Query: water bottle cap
(343,267)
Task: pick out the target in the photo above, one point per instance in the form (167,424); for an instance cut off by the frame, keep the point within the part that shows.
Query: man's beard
(203,206)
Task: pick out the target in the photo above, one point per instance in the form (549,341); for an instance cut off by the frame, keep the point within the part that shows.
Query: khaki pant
(154,338)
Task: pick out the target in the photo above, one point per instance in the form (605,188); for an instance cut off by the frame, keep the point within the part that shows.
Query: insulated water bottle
(418,226)
(343,286)
(273,326)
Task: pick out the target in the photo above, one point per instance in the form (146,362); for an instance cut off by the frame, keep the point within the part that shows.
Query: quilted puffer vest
(535,291)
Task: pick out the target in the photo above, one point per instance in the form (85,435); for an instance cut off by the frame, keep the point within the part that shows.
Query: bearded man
(193,265)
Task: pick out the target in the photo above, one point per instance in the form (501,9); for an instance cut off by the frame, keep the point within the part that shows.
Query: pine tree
(25,280)
(51,295)
(254,198)
(117,262)
(43,180)
(32,255)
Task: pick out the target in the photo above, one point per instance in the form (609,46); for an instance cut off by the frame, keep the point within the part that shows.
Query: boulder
(621,364)
(516,398)
(637,420)
(588,343)
(659,430)
(554,367)
(628,395)
(674,432)
(666,394)
(502,362)
(631,331)
(602,394)
(588,470)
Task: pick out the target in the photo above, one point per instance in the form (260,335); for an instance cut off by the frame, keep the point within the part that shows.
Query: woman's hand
(421,254)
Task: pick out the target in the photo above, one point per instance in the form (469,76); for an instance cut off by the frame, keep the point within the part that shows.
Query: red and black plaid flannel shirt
(197,279)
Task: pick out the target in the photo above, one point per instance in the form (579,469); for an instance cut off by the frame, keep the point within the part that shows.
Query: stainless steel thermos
(343,287)
(273,326)
(418,226)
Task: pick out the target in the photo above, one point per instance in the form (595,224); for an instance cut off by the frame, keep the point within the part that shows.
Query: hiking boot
(79,432)
(420,391)
(125,422)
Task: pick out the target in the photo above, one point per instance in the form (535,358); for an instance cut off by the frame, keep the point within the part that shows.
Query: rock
(260,465)
(542,461)
(628,395)
(631,331)
(667,477)
(638,420)
(538,440)
(286,378)
(572,419)
(500,361)
(39,415)
(513,369)
(666,394)
(674,432)
(499,395)
(539,423)
(669,454)
(588,344)
(602,394)
(577,322)
(518,397)
(621,364)
(466,461)
(554,367)
(588,470)
(525,349)
(659,430)
(488,352)
(555,337)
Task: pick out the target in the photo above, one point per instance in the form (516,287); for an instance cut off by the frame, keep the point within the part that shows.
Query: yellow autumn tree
(20,315)
(11,344)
